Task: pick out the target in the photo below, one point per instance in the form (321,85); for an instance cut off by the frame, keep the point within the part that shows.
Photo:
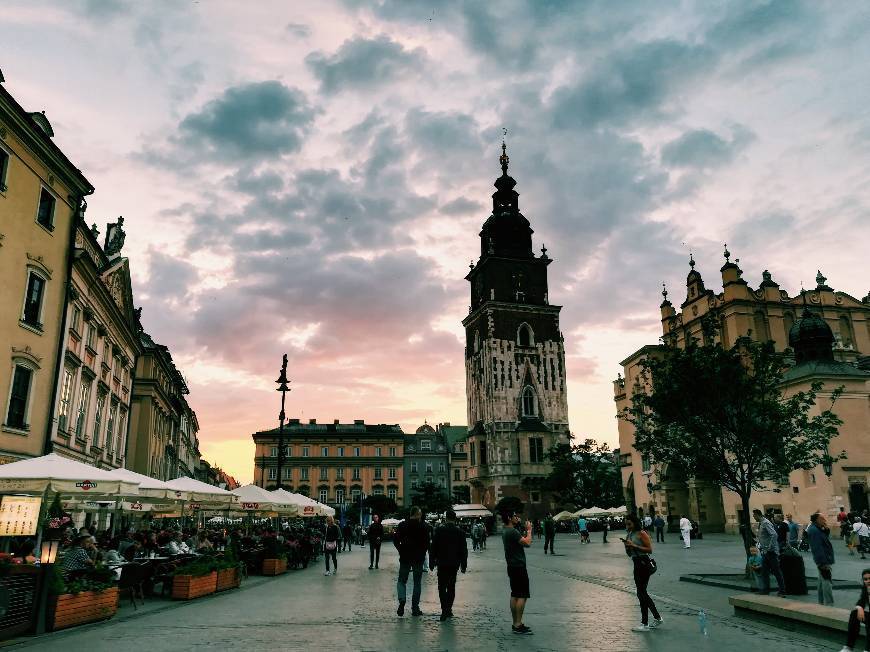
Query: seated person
(78,558)
(860,614)
(126,541)
(202,543)
(177,546)
(754,563)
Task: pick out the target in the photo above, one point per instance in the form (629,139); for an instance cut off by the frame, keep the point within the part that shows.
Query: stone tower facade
(514,360)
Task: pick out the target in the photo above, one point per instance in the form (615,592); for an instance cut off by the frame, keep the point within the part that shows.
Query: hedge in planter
(228,576)
(274,566)
(82,600)
(194,580)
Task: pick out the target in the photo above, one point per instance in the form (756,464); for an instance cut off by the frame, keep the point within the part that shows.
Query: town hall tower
(514,360)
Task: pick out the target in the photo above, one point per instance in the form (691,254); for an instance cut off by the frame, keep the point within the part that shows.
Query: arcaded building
(824,335)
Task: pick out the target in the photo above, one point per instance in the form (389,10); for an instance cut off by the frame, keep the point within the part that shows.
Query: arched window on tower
(530,402)
(525,336)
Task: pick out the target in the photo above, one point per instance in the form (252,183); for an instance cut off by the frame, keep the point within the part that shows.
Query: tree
(721,415)
(462,495)
(509,505)
(584,474)
(380,504)
(431,498)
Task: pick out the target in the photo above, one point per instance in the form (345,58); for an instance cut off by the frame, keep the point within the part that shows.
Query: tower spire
(504,159)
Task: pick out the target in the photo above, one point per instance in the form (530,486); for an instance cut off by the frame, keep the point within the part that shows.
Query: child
(754,563)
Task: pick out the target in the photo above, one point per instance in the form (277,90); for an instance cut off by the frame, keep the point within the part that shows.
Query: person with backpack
(638,547)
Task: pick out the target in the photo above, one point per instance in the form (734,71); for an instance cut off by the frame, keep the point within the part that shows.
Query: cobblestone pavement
(582,599)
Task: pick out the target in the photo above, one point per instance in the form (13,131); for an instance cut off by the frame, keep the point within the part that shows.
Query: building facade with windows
(41,193)
(836,352)
(100,352)
(514,360)
(334,462)
(162,425)
(456,440)
(427,459)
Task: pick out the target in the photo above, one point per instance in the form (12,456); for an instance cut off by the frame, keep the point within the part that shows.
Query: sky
(310,178)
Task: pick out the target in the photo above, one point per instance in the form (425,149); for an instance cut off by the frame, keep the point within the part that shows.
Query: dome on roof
(425,429)
(811,338)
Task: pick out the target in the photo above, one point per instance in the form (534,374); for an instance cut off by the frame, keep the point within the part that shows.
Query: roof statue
(115,237)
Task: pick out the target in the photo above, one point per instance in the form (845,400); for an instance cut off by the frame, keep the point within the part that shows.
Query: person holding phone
(515,541)
(638,547)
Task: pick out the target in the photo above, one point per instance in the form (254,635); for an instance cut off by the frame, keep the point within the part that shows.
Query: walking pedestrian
(582,528)
(769,549)
(605,528)
(375,536)
(842,516)
(330,545)
(647,522)
(638,547)
(686,531)
(515,541)
(549,533)
(793,531)
(659,525)
(448,554)
(860,614)
(412,541)
(823,555)
(863,531)
(347,537)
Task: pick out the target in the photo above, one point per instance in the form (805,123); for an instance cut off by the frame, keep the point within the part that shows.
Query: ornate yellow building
(101,348)
(41,193)
(333,462)
(840,322)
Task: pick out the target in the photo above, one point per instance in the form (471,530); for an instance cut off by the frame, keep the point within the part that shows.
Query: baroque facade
(41,194)
(427,460)
(514,360)
(334,462)
(766,313)
(163,428)
(100,352)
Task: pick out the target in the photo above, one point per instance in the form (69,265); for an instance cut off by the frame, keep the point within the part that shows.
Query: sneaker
(327,574)
(642,628)
(401,610)
(443,617)
(522,629)
(656,622)
(416,612)
(781,594)
(371,567)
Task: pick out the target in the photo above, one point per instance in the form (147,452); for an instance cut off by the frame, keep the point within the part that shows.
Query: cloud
(248,121)
(633,84)
(460,206)
(298,30)
(362,63)
(704,149)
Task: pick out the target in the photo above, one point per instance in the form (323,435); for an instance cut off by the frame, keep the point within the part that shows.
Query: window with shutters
(19,398)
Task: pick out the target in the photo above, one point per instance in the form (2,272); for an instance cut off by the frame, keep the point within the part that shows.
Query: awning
(60,474)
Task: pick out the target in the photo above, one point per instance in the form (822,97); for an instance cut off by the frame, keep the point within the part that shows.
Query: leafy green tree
(721,415)
(380,504)
(431,498)
(509,505)
(584,474)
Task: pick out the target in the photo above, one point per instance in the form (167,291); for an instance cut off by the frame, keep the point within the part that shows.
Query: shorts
(519,579)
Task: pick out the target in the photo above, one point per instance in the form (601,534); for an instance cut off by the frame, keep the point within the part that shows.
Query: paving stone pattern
(582,599)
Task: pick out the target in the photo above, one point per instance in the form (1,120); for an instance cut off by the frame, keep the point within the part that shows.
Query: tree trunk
(745,528)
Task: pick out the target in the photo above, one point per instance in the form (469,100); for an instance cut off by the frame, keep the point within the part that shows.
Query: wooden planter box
(274,566)
(69,610)
(187,587)
(227,578)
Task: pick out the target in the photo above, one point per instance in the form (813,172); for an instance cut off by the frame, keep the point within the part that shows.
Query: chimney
(335,422)
(358,422)
(312,421)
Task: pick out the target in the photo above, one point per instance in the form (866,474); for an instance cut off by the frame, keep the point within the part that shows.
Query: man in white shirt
(863,532)
(177,545)
(686,531)
(647,522)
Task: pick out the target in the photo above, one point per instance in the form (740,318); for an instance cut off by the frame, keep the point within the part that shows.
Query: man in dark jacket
(346,536)
(823,554)
(549,533)
(449,553)
(412,541)
(375,535)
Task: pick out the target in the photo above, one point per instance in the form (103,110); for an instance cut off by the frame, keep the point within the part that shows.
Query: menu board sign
(19,515)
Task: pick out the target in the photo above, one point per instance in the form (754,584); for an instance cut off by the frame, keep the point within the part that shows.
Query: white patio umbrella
(471,511)
(618,511)
(564,516)
(591,512)
(389,522)
(150,487)
(307,506)
(253,498)
(200,492)
(59,474)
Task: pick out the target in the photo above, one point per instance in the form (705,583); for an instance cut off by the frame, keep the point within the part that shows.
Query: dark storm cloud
(362,63)
(704,149)
(460,206)
(248,121)
(638,83)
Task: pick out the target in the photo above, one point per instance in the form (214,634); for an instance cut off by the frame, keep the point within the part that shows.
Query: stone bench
(831,622)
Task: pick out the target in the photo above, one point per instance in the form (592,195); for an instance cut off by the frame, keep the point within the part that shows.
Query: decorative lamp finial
(471,264)
(543,251)
(504,159)
(727,254)
(665,291)
(691,260)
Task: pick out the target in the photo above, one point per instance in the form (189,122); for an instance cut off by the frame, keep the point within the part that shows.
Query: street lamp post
(47,557)
(282,387)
